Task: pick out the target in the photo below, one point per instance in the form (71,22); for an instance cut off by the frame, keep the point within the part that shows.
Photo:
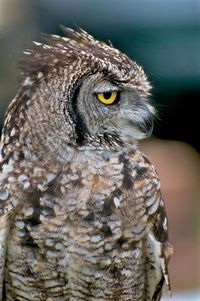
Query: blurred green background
(164,37)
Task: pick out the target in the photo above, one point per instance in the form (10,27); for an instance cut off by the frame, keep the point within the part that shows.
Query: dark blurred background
(164,37)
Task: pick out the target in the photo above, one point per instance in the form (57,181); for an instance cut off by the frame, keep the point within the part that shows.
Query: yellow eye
(107,98)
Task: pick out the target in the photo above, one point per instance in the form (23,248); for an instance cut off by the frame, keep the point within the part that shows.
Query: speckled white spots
(115,227)
(152,209)
(158,185)
(51,255)
(55,61)
(127,273)
(4,194)
(50,177)
(60,45)
(13,132)
(2,139)
(27,52)
(138,228)
(31,256)
(45,46)
(62,190)
(7,138)
(11,179)
(37,43)
(59,246)
(64,261)
(74,177)
(95,238)
(8,207)
(28,82)
(26,185)
(38,171)
(137,252)
(20,233)
(55,36)
(50,283)
(62,50)
(49,242)
(7,168)
(22,178)
(17,144)
(2,177)
(42,218)
(28,102)
(106,262)
(39,75)
(116,202)
(42,187)
(165,224)
(125,254)
(99,250)
(28,211)
(148,193)
(28,155)
(7,120)
(108,246)
(92,259)
(65,39)
(16,250)
(24,181)
(87,271)
(20,224)
(150,200)
(14,200)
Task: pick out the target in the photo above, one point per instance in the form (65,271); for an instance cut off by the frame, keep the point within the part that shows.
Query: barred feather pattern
(81,212)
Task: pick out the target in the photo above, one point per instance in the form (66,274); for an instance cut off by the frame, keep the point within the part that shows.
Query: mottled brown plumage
(81,213)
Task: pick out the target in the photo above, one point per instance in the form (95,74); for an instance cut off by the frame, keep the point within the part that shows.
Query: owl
(81,212)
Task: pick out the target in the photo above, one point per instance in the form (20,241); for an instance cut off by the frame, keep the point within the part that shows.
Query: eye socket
(108,98)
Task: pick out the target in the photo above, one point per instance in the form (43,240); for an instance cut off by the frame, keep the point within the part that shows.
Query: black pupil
(107,95)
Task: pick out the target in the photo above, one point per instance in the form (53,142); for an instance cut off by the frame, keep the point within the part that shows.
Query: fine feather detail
(92,222)
(162,253)
(60,51)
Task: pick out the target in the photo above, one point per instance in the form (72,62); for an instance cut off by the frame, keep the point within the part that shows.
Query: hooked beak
(145,126)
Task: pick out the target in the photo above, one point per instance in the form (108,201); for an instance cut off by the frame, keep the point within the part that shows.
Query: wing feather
(157,248)
(5,224)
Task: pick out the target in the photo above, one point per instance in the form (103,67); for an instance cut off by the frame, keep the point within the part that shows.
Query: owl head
(81,92)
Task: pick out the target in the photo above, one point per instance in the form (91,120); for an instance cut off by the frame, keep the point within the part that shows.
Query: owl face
(109,109)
